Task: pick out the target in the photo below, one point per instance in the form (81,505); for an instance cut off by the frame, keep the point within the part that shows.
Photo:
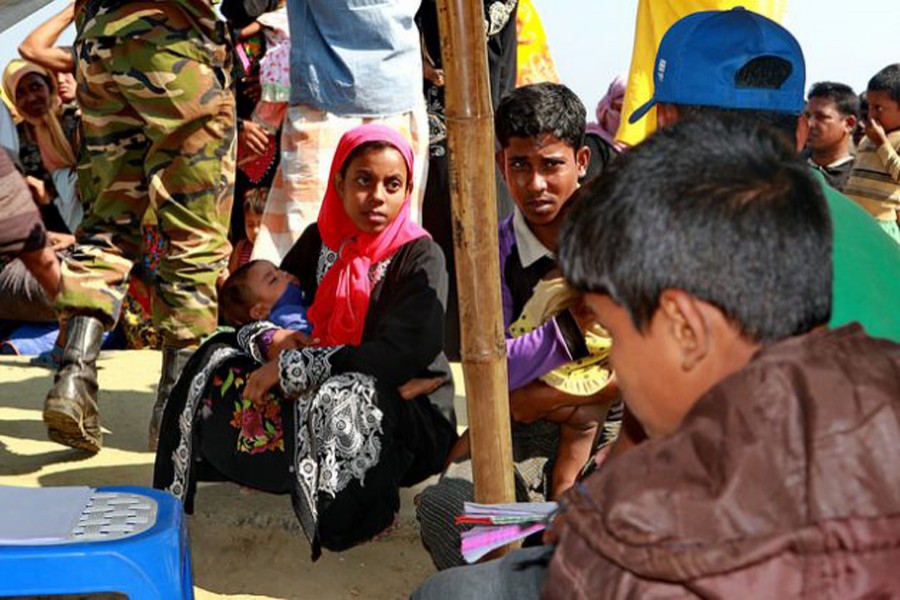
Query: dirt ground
(244,545)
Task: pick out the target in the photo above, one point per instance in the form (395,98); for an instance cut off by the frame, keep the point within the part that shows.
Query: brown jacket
(782,482)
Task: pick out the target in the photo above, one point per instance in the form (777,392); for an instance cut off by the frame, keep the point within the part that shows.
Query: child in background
(274,68)
(260,156)
(875,178)
(260,291)
(254,205)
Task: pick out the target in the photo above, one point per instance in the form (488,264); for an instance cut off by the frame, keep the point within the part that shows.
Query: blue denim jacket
(355,57)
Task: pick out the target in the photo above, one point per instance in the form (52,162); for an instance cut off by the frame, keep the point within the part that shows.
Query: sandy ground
(244,545)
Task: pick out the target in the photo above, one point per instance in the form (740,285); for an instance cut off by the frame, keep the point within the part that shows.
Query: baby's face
(269,283)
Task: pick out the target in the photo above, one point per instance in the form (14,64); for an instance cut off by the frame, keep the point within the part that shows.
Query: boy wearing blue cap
(738,61)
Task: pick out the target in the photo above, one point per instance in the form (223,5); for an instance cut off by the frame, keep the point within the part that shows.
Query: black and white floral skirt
(341,450)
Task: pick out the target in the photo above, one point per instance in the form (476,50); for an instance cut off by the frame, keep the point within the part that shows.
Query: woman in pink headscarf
(341,419)
(601,136)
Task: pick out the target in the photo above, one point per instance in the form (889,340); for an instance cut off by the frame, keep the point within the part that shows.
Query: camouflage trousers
(159,139)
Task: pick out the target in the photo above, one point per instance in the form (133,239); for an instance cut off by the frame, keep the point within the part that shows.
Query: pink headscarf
(338,313)
(607,117)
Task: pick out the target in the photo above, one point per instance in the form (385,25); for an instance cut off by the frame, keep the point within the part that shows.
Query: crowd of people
(701,330)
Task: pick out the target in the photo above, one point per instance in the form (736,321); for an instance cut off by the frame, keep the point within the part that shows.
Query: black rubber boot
(70,410)
(173,363)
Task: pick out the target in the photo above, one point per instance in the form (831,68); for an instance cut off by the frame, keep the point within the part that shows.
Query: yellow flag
(535,64)
(5,100)
(654,17)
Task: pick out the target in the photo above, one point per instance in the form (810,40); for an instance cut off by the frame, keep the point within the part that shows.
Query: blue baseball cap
(700,55)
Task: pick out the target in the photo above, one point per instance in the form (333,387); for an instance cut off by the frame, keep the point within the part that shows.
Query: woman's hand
(260,381)
(287,339)
(420,387)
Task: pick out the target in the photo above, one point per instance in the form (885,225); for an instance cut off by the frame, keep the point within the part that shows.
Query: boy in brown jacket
(769,473)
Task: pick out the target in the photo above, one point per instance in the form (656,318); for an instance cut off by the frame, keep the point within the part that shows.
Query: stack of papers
(499,524)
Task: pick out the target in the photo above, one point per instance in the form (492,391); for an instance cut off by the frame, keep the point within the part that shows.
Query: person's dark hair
(721,208)
(236,297)
(240,13)
(784,123)
(366,147)
(255,200)
(887,80)
(843,96)
(541,109)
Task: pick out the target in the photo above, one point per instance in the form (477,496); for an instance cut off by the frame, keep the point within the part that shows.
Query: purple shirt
(535,353)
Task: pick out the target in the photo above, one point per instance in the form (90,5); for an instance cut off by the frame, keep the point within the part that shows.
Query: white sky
(591,39)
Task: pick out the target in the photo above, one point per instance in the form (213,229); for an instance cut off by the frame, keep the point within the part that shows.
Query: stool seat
(131,540)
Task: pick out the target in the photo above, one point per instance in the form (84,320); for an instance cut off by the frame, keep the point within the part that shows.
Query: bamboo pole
(470,139)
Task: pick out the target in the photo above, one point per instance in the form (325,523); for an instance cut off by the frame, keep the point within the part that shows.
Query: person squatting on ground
(768,458)
(332,422)
(541,129)
(158,114)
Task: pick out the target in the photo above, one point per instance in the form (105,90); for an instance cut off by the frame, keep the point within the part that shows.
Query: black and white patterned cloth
(183,455)
(338,439)
(497,16)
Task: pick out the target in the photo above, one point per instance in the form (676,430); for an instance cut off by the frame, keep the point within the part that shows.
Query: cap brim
(642,110)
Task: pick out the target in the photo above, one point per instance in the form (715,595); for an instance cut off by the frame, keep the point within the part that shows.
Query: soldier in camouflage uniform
(158,113)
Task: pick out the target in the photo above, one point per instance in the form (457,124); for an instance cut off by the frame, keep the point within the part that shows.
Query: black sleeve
(405,326)
(572,334)
(303,258)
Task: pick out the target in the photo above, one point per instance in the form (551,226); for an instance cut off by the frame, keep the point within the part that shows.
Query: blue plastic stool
(130,540)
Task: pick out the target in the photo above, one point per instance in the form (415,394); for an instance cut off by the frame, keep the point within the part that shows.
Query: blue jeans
(519,575)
